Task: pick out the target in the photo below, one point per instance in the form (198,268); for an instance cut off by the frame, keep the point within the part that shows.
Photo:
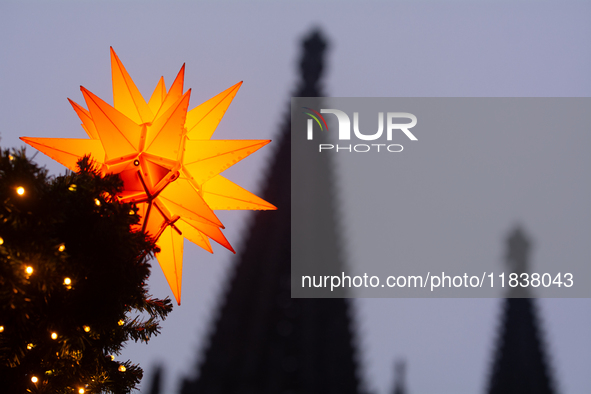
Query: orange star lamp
(168,162)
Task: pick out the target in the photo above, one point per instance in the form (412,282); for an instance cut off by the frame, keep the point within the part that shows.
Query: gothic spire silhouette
(520,363)
(264,341)
(400,377)
(156,381)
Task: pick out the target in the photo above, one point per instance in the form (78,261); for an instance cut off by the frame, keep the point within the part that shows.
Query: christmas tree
(73,278)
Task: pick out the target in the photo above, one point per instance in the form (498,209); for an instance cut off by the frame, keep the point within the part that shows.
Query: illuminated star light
(168,162)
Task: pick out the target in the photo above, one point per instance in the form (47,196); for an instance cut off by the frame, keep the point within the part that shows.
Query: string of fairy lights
(68,283)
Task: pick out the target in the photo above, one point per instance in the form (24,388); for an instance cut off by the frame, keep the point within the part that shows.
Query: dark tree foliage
(72,281)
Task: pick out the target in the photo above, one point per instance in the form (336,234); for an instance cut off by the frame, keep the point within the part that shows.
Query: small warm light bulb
(131,212)
(86,328)
(122,368)
(1,240)
(112,358)
(54,335)
(1,328)
(67,281)
(29,346)
(34,379)
(72,188)
(121,322)
(81,391)
(10,157)
(29,270)
(20,190)
(62,248)
(97,202)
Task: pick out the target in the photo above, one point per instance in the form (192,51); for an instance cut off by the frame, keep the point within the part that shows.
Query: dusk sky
(377,49)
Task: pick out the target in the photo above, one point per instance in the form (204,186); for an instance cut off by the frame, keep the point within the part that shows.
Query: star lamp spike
(87,123)
(169,166)
(158,96)
(126,96)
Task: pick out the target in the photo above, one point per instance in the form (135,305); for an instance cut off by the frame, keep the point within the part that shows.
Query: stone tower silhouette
(520,363)
(400,377)
(263,340)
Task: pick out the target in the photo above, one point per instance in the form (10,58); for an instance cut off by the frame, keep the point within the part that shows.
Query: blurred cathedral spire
(156,381)
(520,363)
(400,377)
(518,247)
(264,341)
(312,65)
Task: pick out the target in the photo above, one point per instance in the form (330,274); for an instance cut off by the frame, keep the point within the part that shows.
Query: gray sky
(422,48)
